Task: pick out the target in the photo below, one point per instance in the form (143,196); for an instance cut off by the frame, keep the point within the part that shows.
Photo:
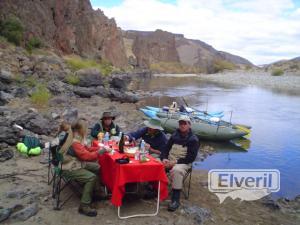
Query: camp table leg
(145,214)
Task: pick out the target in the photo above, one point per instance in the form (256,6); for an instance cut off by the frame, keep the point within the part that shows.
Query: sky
(262,31)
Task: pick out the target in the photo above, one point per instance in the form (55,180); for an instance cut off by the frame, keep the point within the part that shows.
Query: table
(115,176)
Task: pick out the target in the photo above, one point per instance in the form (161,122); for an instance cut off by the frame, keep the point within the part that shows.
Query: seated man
(106,125)
(180,152)
(77,168)
(153,135)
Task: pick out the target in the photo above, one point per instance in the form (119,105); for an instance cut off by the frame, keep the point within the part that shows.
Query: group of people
(176,153)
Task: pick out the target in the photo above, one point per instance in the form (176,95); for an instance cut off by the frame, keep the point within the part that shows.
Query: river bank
(28,187)
(286,83)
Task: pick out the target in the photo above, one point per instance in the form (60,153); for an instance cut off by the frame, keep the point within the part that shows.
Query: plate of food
(130,151)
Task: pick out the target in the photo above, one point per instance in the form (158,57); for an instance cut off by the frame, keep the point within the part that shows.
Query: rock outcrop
(161,47)
(69,26)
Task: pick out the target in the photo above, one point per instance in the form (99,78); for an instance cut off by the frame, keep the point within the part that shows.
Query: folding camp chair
(186,186)
(55,175)
(53,149)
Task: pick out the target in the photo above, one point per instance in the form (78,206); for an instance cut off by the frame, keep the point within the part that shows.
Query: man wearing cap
(181,150)
(153,135)
(106,124)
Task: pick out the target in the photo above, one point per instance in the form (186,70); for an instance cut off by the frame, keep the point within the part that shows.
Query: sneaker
(85,209)
(173,206)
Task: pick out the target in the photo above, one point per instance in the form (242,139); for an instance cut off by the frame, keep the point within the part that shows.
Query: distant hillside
(165,50)
(290,66)
(73,27)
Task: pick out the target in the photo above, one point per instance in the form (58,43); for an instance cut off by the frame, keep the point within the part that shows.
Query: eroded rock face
(70,26)
(159,46)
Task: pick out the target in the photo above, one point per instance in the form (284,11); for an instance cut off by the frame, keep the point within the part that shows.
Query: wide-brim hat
(108,114)
(154,124)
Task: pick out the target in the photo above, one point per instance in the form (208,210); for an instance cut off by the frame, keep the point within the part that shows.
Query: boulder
(9,135)
(200,215)
(120,82)
(90,77)
(35,123)
(85,92)
(122,97)
(57,87)
(6,76)
(5,97)
(70,115)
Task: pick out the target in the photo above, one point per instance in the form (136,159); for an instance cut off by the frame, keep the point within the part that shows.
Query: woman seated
(83,167)
(106,124)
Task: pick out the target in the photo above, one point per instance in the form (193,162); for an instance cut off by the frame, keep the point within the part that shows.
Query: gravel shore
(287,83)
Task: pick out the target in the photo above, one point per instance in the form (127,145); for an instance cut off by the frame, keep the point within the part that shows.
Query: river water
(274,116)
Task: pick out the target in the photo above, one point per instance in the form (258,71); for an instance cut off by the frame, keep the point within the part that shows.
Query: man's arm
(166,150)
(137,134)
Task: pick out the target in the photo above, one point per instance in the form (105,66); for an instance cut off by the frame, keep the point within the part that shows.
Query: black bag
(123,160)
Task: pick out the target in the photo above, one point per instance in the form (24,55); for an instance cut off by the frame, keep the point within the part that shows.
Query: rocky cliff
(71,26)
(152,48)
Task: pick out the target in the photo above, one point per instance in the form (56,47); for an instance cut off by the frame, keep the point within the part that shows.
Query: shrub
(174,67)
(31,81)
(277,72)
(12,30)
(72,79)
(76,63)
(40,96)
(221,65)
(33,43)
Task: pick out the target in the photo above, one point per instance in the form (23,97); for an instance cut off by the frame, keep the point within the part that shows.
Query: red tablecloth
(115,175)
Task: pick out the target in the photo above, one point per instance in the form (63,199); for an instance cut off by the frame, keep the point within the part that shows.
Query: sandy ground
(32,179)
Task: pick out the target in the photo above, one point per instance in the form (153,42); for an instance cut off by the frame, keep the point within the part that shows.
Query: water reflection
(274,117)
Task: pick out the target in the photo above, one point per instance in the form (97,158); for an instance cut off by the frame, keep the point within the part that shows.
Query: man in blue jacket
(181,151)
(153,135)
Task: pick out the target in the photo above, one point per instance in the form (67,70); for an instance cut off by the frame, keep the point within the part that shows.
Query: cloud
(262,31)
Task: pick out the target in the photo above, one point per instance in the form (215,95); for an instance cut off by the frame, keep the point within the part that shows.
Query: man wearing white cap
(181,151)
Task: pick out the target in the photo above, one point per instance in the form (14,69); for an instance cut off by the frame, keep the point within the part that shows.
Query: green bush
(76,63)
(33,43)
(31,81)
(72,79)
(40,96)
(174,67)
(277,72)
(221,65)
(12,30)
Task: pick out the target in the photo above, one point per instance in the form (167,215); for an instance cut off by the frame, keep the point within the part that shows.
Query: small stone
(15,194)
(4,214)
(26,213)
(55,116)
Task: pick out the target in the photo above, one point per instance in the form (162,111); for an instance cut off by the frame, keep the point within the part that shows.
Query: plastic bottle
(137,155)
(142,147)
(106,139)
(142,151)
